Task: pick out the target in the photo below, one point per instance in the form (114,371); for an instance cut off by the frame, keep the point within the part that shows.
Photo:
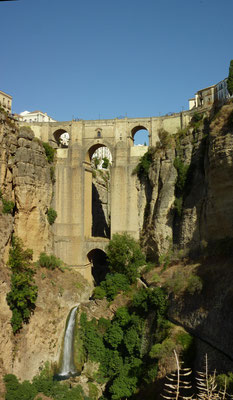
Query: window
(98,134)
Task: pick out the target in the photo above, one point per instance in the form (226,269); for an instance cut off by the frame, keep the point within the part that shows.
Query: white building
(36,116)
(217,93)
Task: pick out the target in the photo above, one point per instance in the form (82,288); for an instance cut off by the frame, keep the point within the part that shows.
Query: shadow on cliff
(208,314)
(100,227)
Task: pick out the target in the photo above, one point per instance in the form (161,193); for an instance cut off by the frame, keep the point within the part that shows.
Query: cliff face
(204,219)
(206,209)
(25,180)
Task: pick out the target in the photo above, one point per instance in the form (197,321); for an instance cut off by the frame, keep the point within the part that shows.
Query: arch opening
(98,191)
(99,262)
(61,138)
(140,136)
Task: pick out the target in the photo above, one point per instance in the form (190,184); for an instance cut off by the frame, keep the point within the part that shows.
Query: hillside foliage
(23,294)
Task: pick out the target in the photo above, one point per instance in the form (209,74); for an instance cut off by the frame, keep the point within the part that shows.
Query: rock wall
(25,180)
(207,209)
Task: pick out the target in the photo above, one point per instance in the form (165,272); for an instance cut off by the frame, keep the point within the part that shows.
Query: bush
(22,297)
(111,286)
(8,206)
(105,163)
(49,152)
(182,281)
(99,293)
(194,284)
(163,350)
(51,215)
(125,256)
(142,169)
(49,262)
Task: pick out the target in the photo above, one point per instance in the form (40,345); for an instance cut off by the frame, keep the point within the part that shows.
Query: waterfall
(68,367)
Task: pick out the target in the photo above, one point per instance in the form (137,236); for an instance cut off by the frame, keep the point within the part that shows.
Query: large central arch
(93,225)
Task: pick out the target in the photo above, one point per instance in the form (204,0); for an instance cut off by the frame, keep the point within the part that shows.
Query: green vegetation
(105,162)
(42,383)
(8,206)
(49,262)
(111,286)
(51,215)
(117,344)
(184,281)
(22,297)
(142,169)
(225,379)
(125,256)
(49,152)
(230,79)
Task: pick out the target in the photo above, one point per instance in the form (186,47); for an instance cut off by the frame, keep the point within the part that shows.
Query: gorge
(179,204)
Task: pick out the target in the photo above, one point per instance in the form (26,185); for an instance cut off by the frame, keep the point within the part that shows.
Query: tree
(230,79)
(125,255)
(22,296)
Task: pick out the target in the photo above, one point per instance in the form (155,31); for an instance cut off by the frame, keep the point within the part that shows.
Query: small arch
(61,137)
(99,262)
(140,135)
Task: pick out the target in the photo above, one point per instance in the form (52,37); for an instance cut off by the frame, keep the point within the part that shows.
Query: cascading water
(68,368)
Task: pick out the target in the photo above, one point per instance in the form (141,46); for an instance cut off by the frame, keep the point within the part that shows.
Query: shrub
(49,152)
(147,299)
(125,256)
(8,206)
(182,171)
(49,262)
(99,293)
(182,281)
(22,297)
(105,162)
(163,350)
(142,169)
(194,284)
(111,286)
(51,215)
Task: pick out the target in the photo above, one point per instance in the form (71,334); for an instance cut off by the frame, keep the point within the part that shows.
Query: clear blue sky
(104,59)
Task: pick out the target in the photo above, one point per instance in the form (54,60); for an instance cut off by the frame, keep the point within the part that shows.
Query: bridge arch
(140,134)
(99,262)
(93,146)
(61,138)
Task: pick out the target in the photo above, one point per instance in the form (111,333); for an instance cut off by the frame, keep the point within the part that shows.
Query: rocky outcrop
(25,180)
(206,208)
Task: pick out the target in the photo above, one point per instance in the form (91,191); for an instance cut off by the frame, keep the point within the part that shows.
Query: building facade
(36,116)
(6,101)
(206,97)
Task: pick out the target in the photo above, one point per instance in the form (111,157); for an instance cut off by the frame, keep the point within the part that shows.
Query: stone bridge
(73,241)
